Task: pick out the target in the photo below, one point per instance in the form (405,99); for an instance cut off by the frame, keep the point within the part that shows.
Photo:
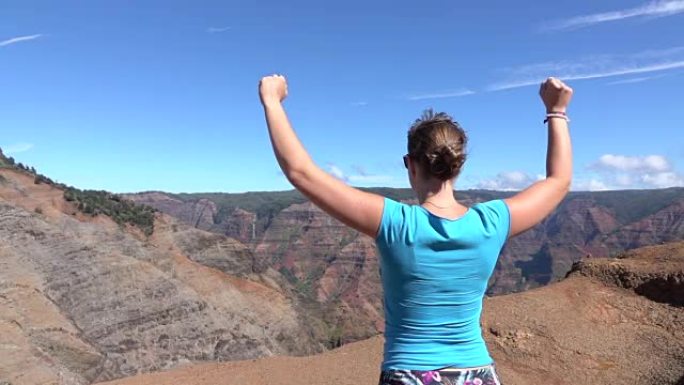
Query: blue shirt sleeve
(393,214)
(499,218)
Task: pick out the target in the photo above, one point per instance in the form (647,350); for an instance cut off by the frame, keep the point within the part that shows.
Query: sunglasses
(406,158)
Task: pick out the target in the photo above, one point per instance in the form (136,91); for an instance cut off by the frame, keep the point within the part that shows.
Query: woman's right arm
(532,205)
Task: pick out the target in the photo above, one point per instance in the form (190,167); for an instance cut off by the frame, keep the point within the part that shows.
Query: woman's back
(434,273)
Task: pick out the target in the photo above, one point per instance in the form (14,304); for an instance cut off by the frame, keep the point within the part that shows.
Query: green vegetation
(267,204)
(90,202)
(334,337)
(121,210)
(303,287)
(9,162)
(6,161)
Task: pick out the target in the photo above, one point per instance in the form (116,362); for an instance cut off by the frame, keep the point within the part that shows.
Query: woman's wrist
(270,103)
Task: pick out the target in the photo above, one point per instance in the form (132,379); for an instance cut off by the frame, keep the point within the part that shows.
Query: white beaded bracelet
(556,115)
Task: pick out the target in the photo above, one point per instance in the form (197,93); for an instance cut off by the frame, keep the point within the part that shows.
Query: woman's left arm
(358,209)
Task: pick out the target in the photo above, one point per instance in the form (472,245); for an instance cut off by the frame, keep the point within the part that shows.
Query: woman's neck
(437,193)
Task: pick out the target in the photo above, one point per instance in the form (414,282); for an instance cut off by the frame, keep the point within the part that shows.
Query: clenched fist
(272,89)
(555,94)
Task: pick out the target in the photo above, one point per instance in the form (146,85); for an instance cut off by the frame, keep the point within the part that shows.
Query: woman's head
(436,144)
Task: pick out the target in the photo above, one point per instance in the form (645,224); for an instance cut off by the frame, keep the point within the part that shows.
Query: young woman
(436,257)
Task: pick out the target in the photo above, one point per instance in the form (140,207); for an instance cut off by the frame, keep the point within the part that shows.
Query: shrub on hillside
(122,211)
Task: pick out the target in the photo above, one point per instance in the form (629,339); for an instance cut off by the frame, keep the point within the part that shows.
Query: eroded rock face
(334,270)
(666,225)
(82,299)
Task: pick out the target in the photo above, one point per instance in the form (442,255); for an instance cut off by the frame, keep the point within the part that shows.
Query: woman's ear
(412,168)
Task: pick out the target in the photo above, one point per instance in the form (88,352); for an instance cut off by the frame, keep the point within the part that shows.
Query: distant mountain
(611,321)
(334,269)
(94,286)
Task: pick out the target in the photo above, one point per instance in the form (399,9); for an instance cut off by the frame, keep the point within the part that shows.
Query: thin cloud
(633,80)
(442,95)
(361,175)
(508,181)
(19,39)
(374,179)
(17,148)
(337,172)
(652,9)
(594,67)
(359,104)
(218,29)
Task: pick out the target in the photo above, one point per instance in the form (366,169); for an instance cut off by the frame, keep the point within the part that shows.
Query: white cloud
(589,185)
(442,95)
(593,67)
(632,172)
(609,172)
(17,148)
(507,181)
(19,39)
(652,9)
(650,163)
(359,104)
(218,29)
(663,179)
(624,180)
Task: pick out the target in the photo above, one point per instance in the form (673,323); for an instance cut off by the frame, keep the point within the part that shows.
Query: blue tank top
(434,275)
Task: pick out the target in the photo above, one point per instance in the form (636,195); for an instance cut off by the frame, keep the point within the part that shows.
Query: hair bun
(438,143)
(446,161)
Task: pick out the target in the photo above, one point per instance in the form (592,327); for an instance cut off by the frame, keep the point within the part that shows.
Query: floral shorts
(485,375)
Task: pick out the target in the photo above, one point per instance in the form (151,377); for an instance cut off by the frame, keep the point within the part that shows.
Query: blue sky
(162,95)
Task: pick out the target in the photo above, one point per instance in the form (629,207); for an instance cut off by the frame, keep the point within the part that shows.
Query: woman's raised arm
(535,203)
(355,208)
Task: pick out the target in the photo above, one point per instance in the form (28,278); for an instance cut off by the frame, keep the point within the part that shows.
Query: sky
(162,95)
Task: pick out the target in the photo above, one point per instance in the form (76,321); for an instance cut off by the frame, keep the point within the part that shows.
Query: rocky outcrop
(654,272)
(241,225)
(199,214)
(593,327)
(83,299)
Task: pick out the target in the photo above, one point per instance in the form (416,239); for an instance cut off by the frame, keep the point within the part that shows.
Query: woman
(436,257)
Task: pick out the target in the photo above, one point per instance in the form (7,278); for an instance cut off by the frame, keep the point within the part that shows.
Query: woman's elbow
(562,185)
(296,177)
(299,175)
